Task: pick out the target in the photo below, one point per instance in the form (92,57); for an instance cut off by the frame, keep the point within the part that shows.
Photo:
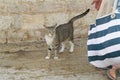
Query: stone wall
(23,20)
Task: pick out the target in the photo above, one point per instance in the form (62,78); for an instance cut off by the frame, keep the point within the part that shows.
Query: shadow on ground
(26,61)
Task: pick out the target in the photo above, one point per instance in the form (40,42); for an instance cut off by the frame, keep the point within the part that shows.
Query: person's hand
(97,4)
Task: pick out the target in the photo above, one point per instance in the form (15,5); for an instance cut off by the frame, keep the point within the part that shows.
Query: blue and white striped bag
(104,41)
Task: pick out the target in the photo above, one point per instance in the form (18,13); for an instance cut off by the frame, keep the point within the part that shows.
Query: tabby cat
(57,35)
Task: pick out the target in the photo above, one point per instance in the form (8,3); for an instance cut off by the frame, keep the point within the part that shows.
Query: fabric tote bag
(104,41)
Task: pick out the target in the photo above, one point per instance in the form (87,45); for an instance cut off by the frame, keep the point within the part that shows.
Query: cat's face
(51,30)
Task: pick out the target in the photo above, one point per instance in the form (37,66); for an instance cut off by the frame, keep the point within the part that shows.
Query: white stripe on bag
(106,62)
(104,38)
(104,51)
(105,26)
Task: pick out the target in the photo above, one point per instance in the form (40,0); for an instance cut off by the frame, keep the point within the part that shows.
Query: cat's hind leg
(71,46)
(62,47)
(56,51)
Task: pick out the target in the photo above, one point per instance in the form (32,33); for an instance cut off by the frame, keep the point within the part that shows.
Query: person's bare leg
(113,70)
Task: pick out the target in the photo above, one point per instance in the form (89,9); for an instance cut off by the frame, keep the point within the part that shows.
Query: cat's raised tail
(79,16)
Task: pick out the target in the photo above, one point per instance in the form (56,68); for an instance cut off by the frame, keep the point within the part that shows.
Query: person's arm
(101,9)
(97,4)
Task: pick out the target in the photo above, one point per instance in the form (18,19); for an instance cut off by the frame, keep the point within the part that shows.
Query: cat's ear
(54,26)
(50,27)
(46,27)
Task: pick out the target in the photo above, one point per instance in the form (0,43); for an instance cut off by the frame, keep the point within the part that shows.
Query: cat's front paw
(71,51)
(56,58)
(61,51)
(47,57)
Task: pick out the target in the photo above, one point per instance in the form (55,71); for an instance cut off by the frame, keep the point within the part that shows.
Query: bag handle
(114,8)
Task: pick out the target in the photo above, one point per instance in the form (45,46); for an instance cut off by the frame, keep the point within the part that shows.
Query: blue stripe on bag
(107,19)
(92,26)
(104,45)
(104,32)
(103,20)
(109,55)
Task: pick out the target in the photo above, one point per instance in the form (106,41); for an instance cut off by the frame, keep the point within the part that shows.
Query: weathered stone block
(59,18)
(23,20)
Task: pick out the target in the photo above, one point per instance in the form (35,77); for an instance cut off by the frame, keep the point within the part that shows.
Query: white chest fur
(49,39)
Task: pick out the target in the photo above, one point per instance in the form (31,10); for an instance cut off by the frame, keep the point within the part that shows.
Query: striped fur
(60,34)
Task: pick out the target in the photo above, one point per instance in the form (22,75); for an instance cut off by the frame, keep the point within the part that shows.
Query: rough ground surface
(26,61)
